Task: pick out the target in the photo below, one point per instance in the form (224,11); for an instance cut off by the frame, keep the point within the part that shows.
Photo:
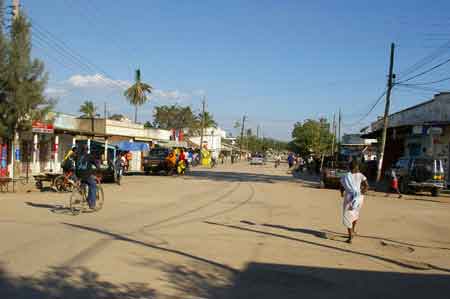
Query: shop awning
(133,146)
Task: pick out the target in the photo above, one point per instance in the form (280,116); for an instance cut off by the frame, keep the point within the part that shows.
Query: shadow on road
(268,281)
(59,209)
(311,232)
(230,176)
(393,241)
(413,265)
(116,236)
(69,283)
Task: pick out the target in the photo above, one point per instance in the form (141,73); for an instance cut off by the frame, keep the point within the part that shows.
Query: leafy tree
(137,93)
(117,117)
(209,121)
(175,117)
(148,125)
(312,137)
(22,80)
(88,109)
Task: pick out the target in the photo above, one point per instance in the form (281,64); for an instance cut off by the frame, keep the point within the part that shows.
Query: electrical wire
(419,87)
(443,49)
(370,110)
(431,82)
(425,72)
(65,50)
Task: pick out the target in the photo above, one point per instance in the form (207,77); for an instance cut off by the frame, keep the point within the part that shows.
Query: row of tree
(164,117)
(22,78)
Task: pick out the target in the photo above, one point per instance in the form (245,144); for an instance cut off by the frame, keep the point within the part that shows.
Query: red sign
(43,128)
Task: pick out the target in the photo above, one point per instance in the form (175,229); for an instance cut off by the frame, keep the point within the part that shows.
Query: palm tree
(208,120)
(88,109)
(136,94)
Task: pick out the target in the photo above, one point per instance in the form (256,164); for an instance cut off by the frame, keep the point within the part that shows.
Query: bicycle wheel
(77,199)
(59,183)
(100,198)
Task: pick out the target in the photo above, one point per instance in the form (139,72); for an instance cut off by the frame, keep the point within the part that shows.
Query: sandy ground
(231,232)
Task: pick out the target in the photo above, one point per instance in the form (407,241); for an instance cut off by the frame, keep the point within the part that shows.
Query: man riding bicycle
(85,169)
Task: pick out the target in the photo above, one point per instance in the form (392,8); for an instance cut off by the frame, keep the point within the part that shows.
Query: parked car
(257,160)
(155,162)
(332,172)
(420,174)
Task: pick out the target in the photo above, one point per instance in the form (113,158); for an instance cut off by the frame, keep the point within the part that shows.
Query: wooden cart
(53,178)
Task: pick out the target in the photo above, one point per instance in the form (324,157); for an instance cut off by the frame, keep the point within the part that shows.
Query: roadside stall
(135,153)
(105,155)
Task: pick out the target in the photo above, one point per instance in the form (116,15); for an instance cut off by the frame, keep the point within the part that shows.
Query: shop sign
(417,130)
(42,128)
(17,154)
(435,131)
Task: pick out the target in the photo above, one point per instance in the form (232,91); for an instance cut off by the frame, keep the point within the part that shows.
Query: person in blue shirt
(85,170)
(290,160)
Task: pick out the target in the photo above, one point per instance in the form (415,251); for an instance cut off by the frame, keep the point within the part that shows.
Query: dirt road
(231,232)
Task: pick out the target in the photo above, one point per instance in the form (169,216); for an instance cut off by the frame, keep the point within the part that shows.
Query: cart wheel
(59,183)
(435,192)
(39,185)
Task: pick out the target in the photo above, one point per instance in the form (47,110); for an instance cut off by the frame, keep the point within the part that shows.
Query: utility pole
(333,130)
(15,137)
(386,112)
(339,127)
(202,123)
(244,118)
(16,8)
(105,115)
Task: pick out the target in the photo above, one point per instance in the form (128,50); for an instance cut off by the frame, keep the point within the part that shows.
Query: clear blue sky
(278,61)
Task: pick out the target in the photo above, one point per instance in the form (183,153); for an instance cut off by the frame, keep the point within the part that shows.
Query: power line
(427,59)
(419,87)
(370,110)
(93,22)
(64,49)
(431,82)
(426,71)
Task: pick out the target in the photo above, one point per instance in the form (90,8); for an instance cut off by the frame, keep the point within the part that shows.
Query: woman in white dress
(353,186)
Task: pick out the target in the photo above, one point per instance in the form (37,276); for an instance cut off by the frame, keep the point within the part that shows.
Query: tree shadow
(268,281)
(230,176)
(115,236)
(70,283)
(413,265)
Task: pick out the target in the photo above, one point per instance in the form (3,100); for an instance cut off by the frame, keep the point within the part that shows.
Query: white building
(212,139)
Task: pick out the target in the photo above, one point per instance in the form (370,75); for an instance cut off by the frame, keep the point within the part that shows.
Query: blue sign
(17,154)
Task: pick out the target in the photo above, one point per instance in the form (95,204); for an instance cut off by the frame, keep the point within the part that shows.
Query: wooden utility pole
(339,131)
(244,118)
(333,130)
(16,8)
(386,112)
(15,137)
(202,123)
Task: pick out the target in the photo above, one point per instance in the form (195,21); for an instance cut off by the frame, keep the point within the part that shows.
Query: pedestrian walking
(353,186)
(290,160)
(393,188)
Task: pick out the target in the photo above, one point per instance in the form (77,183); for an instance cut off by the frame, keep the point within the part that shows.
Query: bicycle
(64,182)
(78,198)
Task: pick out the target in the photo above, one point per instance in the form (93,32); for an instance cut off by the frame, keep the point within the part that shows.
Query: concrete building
(43,148)
(212,139)
(423,129)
